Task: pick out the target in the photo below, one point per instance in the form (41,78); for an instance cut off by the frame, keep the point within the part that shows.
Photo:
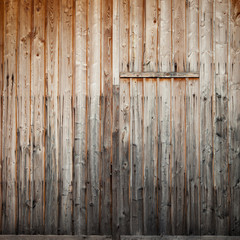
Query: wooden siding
(120,117)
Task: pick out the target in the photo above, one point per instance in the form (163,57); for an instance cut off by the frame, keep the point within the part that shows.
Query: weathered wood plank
(150,157)
(179,237)
(192,120)
(159,74)
(164,119)
(206,128)
(52,125)
(55,237)
(66,116)
(124,155)
(1,97)
(38,116)
(106,119)
(24,128)
(136,157)
(94,135)
(234,117)
(221,119)
(116,191)
(116,41)
(81,111)
(9,131)
(178,120)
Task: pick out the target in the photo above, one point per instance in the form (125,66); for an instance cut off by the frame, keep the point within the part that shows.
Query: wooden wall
(90,147)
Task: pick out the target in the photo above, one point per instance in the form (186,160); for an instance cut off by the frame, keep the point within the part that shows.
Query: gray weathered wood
(159,74)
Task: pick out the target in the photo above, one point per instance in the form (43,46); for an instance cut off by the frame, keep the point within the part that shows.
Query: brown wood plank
(94,134)
(38,116)
(66,114)
(24,128)
(124,154)
(9,131)
(55,237)
(192,120)
(221,118)
(234,120)
(106,119)
(150,157)
(81,111)
(159,74)
(1,102)
(136,156)
(52,125)
(178,120)
(206,128)
(164,119)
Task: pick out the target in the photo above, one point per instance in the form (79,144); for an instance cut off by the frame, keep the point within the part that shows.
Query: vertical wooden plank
(1,102)
(124,121)
(106,118)
(206,140)
(9,134)
(178,120)
(164,121)
(66,126)
(136,123)
(234,118)
(136,157)
(24,128)
(80,143)
(38,115)
(124,154)
(150,157)
(116,191)
(221,118)
(52,141)
(116,41)
(192,120)
(94,141)
(150,119)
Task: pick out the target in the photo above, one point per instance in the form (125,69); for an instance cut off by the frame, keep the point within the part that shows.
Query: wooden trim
(159,74)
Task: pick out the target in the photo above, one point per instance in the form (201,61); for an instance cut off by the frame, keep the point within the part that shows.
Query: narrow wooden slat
(9,131)
(124,120)
(136,156)
(1,97)
(221,118)
(38,116)
(178,120)
(192,120)
(166,237)
(116,191)
(164,119)
(234,114)
(150,119)
(52,141)
(24,128)
(94,141)
(66,122)
(150,157)
(80,142)
(136,113)
(116,41)
(124,153)
(206,141)
(159,74)
(106,119)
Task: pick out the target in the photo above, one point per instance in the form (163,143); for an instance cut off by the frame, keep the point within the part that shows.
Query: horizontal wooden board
(159,74)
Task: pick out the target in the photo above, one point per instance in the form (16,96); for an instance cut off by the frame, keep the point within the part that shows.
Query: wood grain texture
(52,124)
(206,124)
(192,120)
(234,118)
(24,128)
(81,111)
(94,124)
(9,118)
(66,116)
